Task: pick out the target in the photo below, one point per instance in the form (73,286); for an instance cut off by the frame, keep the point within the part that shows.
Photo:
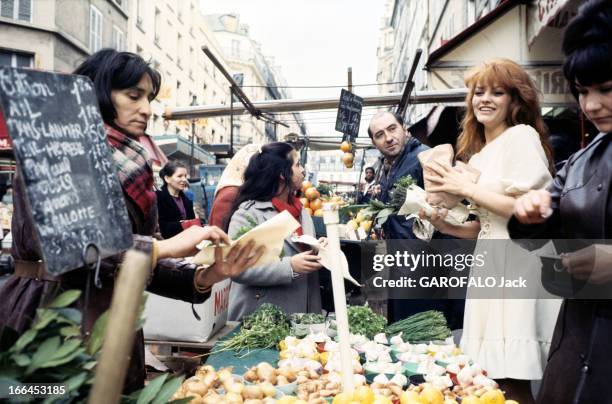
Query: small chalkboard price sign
(349,114)
(62,153)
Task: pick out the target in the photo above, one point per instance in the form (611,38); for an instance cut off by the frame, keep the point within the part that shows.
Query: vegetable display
(380,211)
(363,321)
(426,326)
(264,328)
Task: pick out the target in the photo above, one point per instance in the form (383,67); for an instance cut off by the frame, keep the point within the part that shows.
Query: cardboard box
(173,320)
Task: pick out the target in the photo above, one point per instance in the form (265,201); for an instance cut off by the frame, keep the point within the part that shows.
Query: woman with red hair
(504,137)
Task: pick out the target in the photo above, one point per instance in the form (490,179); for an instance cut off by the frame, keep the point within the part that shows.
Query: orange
(306,185)
(347,159)
(309,211)
(311,193)
(346,146)
(316,204)
(319,213)
(304,202)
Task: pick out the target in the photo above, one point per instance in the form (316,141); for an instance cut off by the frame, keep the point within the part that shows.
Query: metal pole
(359,179)
(194,101)
(423,97)
(350,79)
(231,144)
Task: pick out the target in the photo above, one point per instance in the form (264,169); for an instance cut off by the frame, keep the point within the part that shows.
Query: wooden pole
(119,334)
(331,220)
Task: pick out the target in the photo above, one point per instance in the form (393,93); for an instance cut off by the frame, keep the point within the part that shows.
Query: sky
(314,42)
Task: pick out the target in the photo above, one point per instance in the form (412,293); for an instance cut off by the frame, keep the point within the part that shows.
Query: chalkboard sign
(61,150)
(349,114)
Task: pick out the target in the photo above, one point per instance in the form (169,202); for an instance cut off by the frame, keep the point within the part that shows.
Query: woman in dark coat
(125,85)
(578,205)
(173,206)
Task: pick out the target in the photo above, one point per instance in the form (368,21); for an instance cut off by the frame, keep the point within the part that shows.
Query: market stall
(272,357)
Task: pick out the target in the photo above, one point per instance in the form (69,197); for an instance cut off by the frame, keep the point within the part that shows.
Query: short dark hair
(169,169)
(371,169)
(112,70)
(587,45)
(397,117)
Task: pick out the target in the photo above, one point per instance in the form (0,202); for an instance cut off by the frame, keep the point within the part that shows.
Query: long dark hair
(112,70)
(587,44)
(261,177)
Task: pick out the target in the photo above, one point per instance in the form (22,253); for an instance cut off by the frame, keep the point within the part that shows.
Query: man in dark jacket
(399,153)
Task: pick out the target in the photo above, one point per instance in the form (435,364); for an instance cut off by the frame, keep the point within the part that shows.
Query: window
(16,59)
(139,13)
(235,48)
(95,29)
(179,49)
(157,27)
(118,39)
(16,9)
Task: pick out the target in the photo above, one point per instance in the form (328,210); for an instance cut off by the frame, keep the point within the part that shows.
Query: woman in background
(174,207)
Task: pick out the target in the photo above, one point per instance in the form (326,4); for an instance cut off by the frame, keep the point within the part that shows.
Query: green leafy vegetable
(362,320)
(264,328)
(421,327)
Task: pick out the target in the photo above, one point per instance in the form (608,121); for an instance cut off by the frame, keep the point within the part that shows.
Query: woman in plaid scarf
(125,86)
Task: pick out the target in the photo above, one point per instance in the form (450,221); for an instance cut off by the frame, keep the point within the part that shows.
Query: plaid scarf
(133,169)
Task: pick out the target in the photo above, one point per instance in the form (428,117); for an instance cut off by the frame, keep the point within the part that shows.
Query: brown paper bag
(444,154)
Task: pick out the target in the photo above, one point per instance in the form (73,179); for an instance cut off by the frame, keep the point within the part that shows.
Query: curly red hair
(524,106)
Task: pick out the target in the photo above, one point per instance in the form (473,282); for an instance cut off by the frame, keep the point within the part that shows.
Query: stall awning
(503,33)
(178,148)
(439,126)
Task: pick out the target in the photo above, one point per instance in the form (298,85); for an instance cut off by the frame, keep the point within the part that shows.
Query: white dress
(510,338)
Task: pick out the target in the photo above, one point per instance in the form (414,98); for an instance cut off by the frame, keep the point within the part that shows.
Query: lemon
(378,399)
(342,398)
(511,402)
(410,397)
(287,400)
(366,225)
(323,357)
(471,400)
(364,395)
(282,345)
(352,224)
(493,397)
(431,395)
(450,401)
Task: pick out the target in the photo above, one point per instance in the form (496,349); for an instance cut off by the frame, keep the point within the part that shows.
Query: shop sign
(349,114)
(549,80)
(60,145)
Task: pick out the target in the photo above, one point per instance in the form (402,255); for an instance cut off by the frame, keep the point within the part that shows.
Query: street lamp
(194,102)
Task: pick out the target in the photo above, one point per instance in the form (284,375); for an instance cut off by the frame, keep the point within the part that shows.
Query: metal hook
(95,264)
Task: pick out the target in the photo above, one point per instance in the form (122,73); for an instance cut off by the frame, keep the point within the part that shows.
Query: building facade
(409,25)
(57,35)
(260,77)
(171,34)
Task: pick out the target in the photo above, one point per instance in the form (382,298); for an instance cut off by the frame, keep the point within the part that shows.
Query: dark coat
(169,213)
(21,297)
(397,227)
(580,358)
